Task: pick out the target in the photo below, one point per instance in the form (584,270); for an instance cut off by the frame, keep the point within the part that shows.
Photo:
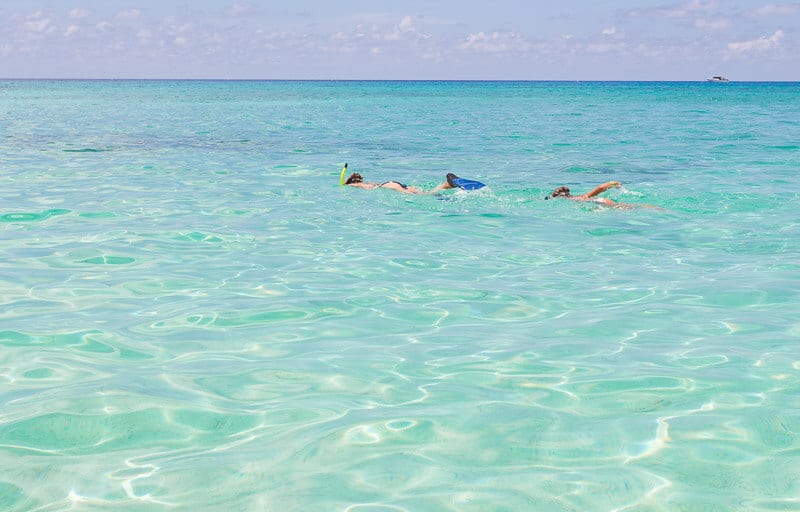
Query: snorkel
(341,176)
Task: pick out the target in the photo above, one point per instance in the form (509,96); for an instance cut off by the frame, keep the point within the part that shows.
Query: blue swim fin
(463,183)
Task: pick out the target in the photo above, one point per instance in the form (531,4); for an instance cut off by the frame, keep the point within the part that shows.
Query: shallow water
(195,315)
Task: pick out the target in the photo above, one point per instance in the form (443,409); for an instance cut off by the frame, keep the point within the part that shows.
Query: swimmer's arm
(602,188)
(365,186)
(439,188)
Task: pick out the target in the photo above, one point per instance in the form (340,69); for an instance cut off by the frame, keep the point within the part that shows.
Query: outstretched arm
(439,188)
(365,186)
(602,188)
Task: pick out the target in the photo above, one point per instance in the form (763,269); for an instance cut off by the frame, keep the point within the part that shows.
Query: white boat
(717,79)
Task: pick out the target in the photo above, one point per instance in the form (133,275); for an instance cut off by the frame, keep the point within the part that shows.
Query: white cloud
(404,29)
(129,14)
(604,47)
(288,41)
(242,9)
(613,33)
(778,10)
(650,52)
(397,38)
(760,44)
(682,10)
(77,14)
(495,42)
(367,36)
(406,25)
(39,25)
(712,24)
(144,35)
(182,28)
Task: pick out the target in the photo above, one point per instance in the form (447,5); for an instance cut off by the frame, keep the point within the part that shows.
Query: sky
(747,40)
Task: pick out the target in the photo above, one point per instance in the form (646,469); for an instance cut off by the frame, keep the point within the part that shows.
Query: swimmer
(356,180)
(591,196)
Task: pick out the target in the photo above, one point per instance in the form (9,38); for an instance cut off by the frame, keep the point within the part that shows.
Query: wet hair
(354,178)
(560,192)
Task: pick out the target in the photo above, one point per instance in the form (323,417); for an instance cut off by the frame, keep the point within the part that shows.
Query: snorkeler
(451,181)
(356,180)
(591,196)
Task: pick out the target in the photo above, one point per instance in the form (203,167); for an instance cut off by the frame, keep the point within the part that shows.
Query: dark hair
(560,192)
(354,178)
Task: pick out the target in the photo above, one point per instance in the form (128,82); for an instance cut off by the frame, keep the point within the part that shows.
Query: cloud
(369,36)
(712,24)
(280,41)
(609,34)
(129,14)
(406,25)
(77,14)
(144,35)
(604,47)
(495,42)
(755,45)
(39,23)
(403,30)
(777,10)
(242,9)
(682,10)
(398,40)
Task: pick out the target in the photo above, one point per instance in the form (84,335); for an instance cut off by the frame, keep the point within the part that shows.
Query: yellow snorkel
(341,176)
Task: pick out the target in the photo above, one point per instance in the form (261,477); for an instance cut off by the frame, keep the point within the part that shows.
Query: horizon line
(163,79)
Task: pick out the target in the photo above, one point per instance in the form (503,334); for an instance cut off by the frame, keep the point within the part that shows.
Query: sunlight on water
(195,315)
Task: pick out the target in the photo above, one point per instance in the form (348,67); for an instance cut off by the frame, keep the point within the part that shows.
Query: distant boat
(717,79)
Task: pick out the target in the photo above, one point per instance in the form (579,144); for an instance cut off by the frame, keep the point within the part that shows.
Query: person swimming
(356,180)
(591,196)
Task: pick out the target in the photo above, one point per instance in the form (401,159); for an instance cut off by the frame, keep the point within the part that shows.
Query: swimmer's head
(560,192)
(354,178)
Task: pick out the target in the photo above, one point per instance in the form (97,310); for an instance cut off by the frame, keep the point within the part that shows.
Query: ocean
(195,315)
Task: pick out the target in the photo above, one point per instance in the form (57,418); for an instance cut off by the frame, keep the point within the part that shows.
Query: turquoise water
(195,316)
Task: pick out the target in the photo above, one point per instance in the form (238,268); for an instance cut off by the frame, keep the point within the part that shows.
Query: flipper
(463,183)
(341,176)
